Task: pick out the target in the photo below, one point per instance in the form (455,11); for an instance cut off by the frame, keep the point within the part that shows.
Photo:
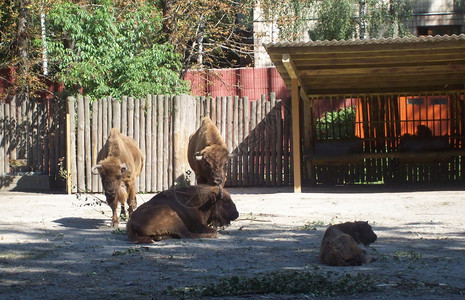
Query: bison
(208,154)
(339,246)
(423,141)
(184,212)
(119,162)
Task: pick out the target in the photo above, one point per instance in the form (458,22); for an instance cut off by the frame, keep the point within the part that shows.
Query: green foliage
(337,124)
(388,19)
(335,20)
(106,50)
(285,282)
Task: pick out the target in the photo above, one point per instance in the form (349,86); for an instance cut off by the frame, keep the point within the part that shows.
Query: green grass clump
(281,282)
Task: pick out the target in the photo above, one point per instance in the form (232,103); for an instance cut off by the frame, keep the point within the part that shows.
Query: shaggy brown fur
(120,161)
(182,212)
(208,154)
(339,246)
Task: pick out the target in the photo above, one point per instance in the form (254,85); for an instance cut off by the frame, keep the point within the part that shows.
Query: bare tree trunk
(22,50)
(44,41)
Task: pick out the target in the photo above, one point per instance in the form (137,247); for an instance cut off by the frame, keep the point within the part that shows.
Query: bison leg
(132,201)
(114,205)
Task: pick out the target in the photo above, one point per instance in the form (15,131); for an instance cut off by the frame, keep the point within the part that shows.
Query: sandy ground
(55,246)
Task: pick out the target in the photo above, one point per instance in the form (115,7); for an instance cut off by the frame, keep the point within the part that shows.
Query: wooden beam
(402,71)
(289,65)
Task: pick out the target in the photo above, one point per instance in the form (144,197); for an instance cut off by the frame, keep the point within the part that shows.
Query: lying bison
(208,154)
(339,246)
(184,212)
(423,141)
(119,162)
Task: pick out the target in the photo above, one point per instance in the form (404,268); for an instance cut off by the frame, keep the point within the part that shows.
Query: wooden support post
(69,184)
(296,134)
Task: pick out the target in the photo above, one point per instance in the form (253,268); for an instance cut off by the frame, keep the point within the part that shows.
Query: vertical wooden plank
(100,134)
(87,145)
(110,114)
(69,185)
(43,137)
(273,141)
(81,184)
(267,148)
(13,124)
(213,113)
(124,115)
(167,166)
(286,142)
(94,142)
(153,150)
(261,140)
(105,128)
(253,160)
(218,112)
(245,149)
(148,144)
(177,139)
(29,155)
(2,137)
(240,141)
(223,118)
(198,112)
(229,137)
(6,138)
(207,107)
(160,146)
(136,129)
(116,114)
(35,138)
(142,142)
(279,143)
(131,117)
(235,140)
(72,155)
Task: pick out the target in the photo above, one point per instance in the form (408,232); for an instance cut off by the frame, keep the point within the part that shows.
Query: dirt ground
(55,246)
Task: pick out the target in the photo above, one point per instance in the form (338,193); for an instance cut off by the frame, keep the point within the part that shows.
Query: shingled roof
(415,64)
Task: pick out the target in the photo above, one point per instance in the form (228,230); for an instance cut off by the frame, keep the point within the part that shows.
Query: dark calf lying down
(184,212)
(339,246)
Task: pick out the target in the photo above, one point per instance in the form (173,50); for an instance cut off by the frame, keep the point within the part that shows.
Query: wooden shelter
(384,82)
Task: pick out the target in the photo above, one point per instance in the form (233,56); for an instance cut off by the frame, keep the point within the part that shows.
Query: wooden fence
(33,138)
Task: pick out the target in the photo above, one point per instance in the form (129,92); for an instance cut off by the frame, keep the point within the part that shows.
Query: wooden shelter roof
(373,66)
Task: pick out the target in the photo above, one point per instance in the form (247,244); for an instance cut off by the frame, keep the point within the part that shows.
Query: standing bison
(184,212)
(208,154)
(119,163)
(339,246)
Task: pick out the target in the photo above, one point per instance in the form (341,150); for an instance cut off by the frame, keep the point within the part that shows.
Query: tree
(208,33)
(338,19)
(112,49)
(19,48)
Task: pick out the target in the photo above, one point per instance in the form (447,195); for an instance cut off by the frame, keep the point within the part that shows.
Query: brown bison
(208,154)
(119,162)
(184,212)
(339,246)
(423,141)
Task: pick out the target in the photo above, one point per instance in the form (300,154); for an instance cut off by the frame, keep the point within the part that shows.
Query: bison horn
(123,167)
(220,192)
(95,169)
(198,156)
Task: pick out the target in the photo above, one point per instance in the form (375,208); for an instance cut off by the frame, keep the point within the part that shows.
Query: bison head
(224,211)
(364,233)
(212,164)
(112,172)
